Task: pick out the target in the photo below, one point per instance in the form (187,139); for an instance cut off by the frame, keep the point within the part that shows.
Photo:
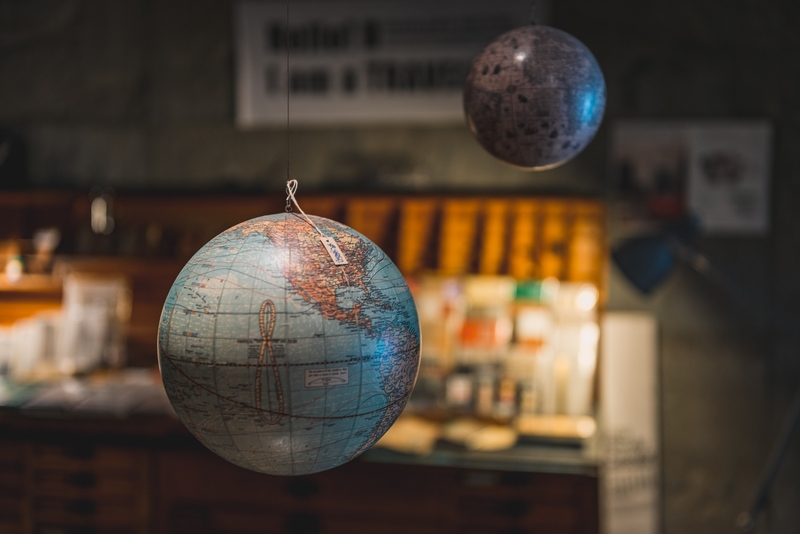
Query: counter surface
(139,413)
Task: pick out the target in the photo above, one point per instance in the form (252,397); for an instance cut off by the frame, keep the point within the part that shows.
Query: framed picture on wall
(718,171)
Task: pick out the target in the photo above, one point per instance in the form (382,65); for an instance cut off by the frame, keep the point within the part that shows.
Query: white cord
(291,189)
(328,242)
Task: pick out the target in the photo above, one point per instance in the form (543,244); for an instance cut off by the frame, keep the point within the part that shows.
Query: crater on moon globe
(277,359)
(534,97)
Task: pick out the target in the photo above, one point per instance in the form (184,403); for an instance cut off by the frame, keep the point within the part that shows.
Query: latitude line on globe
(291,416)
(287,364)
(208,276)
(186,333)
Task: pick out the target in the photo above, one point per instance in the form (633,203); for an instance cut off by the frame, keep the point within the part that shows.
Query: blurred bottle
(14,268)
(485,392)
(488,323)
(459,390)
(506,405)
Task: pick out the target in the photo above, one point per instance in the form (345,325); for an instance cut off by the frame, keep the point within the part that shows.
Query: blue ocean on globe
(281,361)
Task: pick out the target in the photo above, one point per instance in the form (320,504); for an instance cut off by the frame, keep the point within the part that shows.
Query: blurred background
(130,134)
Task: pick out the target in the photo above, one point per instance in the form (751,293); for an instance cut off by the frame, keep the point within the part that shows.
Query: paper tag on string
(333,250)
(328,242)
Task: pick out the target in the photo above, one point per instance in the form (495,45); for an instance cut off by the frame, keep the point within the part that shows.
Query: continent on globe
(281,361)
(534,97)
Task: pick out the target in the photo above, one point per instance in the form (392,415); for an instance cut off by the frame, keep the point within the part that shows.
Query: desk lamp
(646,261)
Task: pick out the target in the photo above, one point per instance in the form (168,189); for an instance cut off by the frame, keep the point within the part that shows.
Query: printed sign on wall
(356,61)
(716,170)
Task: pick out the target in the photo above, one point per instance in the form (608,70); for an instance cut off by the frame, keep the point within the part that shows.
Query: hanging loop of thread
(291,189)
(533,20)
(329,243)
(288,91)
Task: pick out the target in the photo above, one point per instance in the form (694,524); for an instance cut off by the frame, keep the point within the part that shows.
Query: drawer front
(12,515)
(13,487)
(86,511)
(527,502)
(45,528)
(88,488)
(81,457)
(219,518)
(87,483)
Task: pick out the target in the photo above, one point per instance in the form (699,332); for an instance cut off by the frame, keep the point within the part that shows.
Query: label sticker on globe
(333,250)
(319,378)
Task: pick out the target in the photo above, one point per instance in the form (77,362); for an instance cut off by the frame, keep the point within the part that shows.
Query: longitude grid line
(186,338)
(169,328)
(258,371)
(169,333)
(360,382)
(285,280)
(373,272)
(361,360)
(356,415)
(216,386)
(325,396)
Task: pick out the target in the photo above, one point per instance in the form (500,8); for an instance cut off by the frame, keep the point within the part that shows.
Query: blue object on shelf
(645,261)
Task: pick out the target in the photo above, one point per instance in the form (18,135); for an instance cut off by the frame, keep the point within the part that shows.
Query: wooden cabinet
(13,488)
(60,488)
(522,502)
(200,493)
(83,487)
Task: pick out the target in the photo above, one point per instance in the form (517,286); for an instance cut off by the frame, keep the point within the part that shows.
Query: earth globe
(280,359)
(534,97)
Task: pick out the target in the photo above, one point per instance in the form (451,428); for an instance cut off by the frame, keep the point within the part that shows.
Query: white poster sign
(718,171)
(356,61)
(729,169)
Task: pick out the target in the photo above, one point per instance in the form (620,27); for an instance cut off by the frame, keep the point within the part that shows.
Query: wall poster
(718,171)
(357,61)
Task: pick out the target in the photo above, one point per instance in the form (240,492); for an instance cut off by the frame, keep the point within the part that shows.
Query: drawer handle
(302,524)
(513,508)
(83,479)
(79,451)
(82,507)
(302,487)
(65,530)
(514,479)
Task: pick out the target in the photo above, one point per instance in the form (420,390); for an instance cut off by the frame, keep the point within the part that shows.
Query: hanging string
(291,189)
(291,185)
(533,20)
(328,242)
(288,90)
